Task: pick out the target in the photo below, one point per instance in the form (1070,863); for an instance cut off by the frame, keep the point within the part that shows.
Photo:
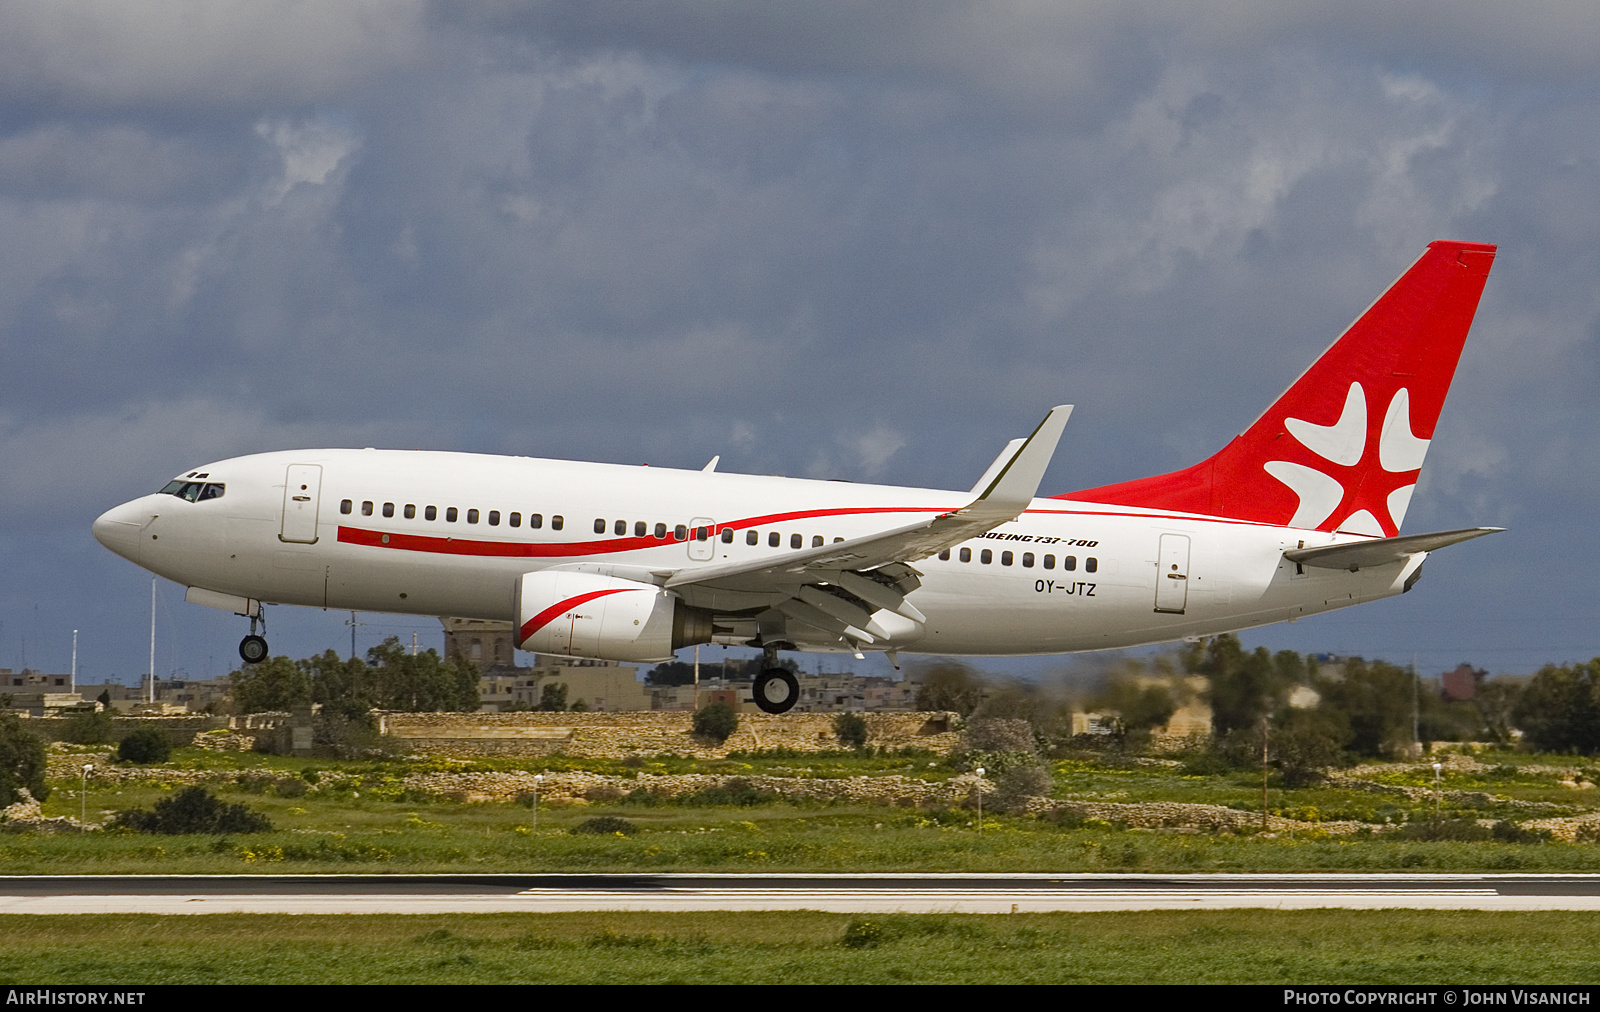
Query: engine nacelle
(604,617)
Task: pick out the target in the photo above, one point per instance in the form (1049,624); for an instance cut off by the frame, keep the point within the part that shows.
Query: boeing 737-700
(1300,514)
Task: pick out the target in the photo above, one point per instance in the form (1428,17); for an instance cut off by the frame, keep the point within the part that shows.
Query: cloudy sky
(870,241)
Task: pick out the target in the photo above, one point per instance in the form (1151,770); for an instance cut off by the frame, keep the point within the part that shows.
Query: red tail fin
(1342,448)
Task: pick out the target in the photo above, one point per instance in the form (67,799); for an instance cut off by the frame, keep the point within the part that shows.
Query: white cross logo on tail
(1345,444)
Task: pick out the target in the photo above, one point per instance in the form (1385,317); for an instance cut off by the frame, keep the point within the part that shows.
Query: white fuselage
(1065,576)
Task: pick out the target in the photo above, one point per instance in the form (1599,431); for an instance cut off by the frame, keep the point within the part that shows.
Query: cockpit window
(194,491)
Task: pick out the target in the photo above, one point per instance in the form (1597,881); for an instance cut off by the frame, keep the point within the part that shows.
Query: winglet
(1016,483)
(995,468)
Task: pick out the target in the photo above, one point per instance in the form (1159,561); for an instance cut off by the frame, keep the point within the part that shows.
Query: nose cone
(118,529)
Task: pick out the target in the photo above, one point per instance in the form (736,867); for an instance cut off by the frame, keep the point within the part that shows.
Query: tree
(1244,687)
(1377,699)
(1559,709)
(22,761)
(418,683)
(1496,700)
(553,697)
(274,684)
(715,722)
(949,686)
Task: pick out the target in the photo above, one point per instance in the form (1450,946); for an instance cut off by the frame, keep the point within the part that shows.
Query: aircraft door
(702,539)
(302,487)
(1172,574)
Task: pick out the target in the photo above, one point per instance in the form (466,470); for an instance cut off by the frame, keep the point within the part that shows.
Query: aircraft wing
(1361,554)
(808,581)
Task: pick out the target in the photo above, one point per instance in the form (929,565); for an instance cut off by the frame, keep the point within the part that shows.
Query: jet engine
(605,617)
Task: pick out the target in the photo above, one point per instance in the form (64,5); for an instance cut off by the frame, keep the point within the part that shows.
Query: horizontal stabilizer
(1363,554)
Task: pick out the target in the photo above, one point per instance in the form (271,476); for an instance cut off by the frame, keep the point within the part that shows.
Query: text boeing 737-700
(1298,515)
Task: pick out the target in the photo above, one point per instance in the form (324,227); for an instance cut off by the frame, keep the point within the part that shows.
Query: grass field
(362,816)
(1189,947)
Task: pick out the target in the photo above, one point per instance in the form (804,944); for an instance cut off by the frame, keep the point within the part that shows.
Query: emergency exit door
(1172,574)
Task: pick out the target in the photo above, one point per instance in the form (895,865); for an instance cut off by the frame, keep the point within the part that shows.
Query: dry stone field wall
(647,733)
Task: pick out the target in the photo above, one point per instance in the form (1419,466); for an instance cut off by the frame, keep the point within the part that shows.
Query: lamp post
(1438,784)
(83,797)
(979,771)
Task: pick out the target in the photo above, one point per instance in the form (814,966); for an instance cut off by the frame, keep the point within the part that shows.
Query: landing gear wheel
(776,690)
(253,649)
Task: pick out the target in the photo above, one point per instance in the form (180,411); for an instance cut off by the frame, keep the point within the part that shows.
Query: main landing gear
(253,648)
(775,690)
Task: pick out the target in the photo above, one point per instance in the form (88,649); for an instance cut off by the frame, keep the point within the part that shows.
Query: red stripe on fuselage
(544,618)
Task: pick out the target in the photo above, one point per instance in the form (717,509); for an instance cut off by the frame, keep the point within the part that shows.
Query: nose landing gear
(253,648)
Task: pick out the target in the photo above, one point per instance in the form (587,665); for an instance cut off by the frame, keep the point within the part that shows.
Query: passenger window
(986,556)
(966,555)
(535,521)
(494,518)
(1027,560)
(388,509)
(450,514)
(1069,563)
(599,526)
(661,531)
(944,556)
(681,533)
(1091,564)
(795,541)
(702,533)
(411,511)
(430,512)
(816,541)
(837,540)
(1005,558)
(1049,562)
(774,539)
(346,506)
(515,520)
(727,535)
(752,537)
(366,508)
(557,522)
(620,528)
(472,516)
(640,528)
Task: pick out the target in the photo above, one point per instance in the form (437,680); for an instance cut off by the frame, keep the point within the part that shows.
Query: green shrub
(605,825)
(850,729)
(145,745)
(715,722)
(193,810)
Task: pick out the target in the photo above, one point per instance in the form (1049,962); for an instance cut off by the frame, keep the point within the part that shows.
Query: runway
(910,893)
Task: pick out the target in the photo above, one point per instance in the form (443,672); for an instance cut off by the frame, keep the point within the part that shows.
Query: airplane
(1299,514)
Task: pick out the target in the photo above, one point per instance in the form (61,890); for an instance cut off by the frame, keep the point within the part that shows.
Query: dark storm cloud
(869,241)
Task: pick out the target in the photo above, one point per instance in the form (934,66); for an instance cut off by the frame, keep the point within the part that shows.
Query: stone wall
(179,730)
(618,735)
